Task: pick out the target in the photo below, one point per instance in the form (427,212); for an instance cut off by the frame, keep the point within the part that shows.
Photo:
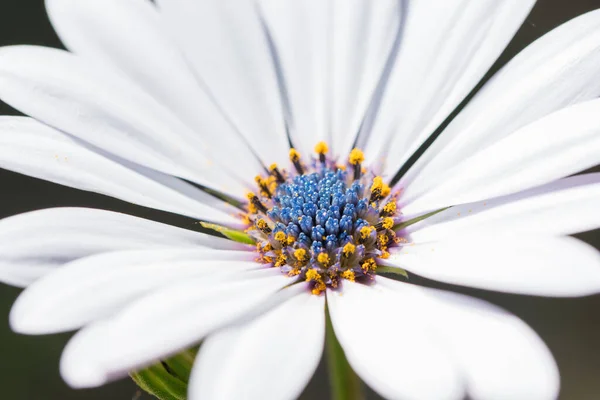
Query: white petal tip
(78,375)
(78,367)
(26,319)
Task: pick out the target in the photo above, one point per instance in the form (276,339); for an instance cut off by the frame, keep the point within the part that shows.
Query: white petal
(161,324)
(37,242)
(332,54)
(104,108)
(272,357)
(563,207)
(96,287)
(129,35)
(362,39)
(569,137)
(31,148)
(446,49)
(543,266)
(499,356)
(557,70)
(387,345)
(227,48)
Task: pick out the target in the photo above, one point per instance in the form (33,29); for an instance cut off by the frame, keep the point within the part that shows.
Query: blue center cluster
(323,223)
(320,210)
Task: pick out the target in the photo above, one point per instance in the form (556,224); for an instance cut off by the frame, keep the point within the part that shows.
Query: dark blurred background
(29,365)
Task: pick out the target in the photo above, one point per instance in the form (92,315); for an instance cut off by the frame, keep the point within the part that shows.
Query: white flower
(209,92)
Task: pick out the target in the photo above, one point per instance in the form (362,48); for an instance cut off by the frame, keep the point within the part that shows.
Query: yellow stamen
(280,237)
(319,288)
(290,240)
(255,204)
(386,190)
(388,223)
(295,159)
(377,184)
(348,249)
(300,255)
(275,172)
(369,265)
(383,239)
(349,274)
(313,275)
(390,208)
(280,260)
(324,259)
(365,232)
(246,220)
(294,155)
(262,225)
(321,148)
(356,157)
(252,209)
(379,189)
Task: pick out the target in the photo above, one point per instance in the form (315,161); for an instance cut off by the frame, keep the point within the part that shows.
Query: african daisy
(291,129)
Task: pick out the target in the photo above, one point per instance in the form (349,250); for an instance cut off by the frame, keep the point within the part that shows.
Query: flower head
(287,129)
(321,222)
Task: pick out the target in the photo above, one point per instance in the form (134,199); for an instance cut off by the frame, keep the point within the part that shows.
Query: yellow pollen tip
(294,155)
(349,274)
(321,148)
(324,259)
(385,190)
(369,265)
(261,224)
(349,249)
(377,184)
(250,196)
(390,208)
(384,239)
(356,157)
(280,237)
(388,223)
(300,255)
(281,260)
(365,232)
(290,240)
(319,288)
(272,167)
(313,275)
(379,189)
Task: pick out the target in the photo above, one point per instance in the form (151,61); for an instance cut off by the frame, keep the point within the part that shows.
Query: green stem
(345,384)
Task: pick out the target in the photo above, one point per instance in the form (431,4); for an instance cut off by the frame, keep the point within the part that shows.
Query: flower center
(321,221)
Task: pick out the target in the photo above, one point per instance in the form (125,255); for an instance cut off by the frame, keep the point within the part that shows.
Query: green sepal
(236,236)
(410,222)
(157,381)
(382,269)
(181,364)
